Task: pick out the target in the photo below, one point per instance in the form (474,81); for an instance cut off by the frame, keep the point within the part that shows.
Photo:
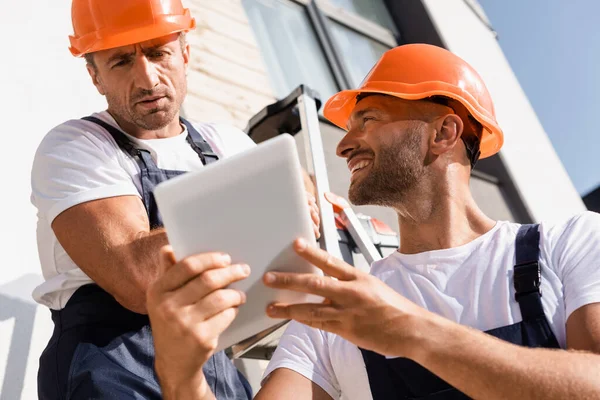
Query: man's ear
(93,71)
(186,56)
(447,134)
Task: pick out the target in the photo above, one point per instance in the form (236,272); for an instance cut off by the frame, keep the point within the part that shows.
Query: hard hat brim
(105,40)
(340,106)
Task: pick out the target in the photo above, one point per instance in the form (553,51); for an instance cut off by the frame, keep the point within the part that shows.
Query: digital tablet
(251,206)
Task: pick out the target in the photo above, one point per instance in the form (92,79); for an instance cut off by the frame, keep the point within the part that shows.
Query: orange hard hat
(418,71)
(106,24)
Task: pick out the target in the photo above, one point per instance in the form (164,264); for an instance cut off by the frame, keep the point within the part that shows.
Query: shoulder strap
(200,146)
(122,140)
(194,138)
(527,272)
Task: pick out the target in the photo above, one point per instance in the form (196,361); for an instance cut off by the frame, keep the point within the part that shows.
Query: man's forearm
(487,368)
(141,258)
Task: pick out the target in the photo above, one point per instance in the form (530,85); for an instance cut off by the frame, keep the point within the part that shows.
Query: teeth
(360,165)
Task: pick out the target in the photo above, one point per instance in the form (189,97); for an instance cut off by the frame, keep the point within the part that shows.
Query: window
(374,11)
(361,51)
(328,45)
(289,46)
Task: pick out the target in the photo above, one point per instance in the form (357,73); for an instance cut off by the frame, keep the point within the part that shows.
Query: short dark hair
(89,59)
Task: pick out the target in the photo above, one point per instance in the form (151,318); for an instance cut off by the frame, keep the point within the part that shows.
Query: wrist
(428,334)
(189,388)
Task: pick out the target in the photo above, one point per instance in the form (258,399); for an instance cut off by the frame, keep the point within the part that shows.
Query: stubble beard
(153,119)
(395,171)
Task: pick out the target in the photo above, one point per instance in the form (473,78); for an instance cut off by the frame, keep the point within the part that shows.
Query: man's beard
(149,120)
(396,170)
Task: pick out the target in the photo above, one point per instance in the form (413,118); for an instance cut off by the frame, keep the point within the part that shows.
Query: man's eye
(121,63)
(157,54)
(365,119)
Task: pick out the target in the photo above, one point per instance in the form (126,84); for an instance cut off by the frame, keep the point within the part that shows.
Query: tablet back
(251,206)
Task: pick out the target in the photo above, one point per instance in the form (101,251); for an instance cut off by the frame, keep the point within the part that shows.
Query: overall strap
(122,140)
(194,139)
(200,146)
(528,273)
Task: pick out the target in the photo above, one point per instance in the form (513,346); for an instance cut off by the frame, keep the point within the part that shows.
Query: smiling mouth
(360,166)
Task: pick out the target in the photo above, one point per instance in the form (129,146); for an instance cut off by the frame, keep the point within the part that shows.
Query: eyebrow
(124,55)
(361,113)
(150,49)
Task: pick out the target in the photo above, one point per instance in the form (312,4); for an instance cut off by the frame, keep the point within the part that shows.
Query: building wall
(227,78)
(43,85)
(528,154)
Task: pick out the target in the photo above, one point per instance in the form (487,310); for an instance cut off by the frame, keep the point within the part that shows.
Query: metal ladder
(299,112)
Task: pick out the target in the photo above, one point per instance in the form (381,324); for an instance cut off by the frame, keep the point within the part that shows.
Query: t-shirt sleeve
(575,250)
(74,165)
(305,350)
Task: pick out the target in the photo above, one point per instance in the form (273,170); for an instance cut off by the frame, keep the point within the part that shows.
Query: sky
(553,47)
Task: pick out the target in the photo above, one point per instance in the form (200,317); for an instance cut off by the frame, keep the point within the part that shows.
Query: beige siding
(227,80)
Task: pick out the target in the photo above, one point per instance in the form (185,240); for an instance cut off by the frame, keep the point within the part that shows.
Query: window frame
(321,12)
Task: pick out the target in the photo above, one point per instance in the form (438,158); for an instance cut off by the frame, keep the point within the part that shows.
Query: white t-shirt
(471,284)
(79,161)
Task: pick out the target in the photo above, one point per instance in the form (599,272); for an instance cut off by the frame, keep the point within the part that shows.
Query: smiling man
(468,307)
(99,229)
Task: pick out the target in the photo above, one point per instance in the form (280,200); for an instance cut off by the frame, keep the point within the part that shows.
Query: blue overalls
(101,350)
(401,378)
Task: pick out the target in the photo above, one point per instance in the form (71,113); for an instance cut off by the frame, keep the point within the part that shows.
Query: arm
(111,241)
(301,367)
(288,384)
(189,306)
(82,189)
(485,367)
(365,311)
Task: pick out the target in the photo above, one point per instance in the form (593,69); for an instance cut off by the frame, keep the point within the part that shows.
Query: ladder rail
(307,111)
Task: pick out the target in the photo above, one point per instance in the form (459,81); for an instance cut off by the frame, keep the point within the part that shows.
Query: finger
(316,232)
(166,258)
(314,214)
(316,222)
(325,261)
(208,282)
(217,302)
(304,312)
(190,267)
(329,326)
(212,328)
(307,283)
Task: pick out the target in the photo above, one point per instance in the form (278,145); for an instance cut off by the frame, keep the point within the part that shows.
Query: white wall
(42,86)
(528,154)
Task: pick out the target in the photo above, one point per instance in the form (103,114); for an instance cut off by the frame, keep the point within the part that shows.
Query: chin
(358,196)
(156,119)
(372,195)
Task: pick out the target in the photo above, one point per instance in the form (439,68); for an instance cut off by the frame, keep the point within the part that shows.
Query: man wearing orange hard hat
(99,229)
(425,323)
(468,307)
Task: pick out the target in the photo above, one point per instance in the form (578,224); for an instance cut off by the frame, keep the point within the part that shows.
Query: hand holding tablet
(251,206)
